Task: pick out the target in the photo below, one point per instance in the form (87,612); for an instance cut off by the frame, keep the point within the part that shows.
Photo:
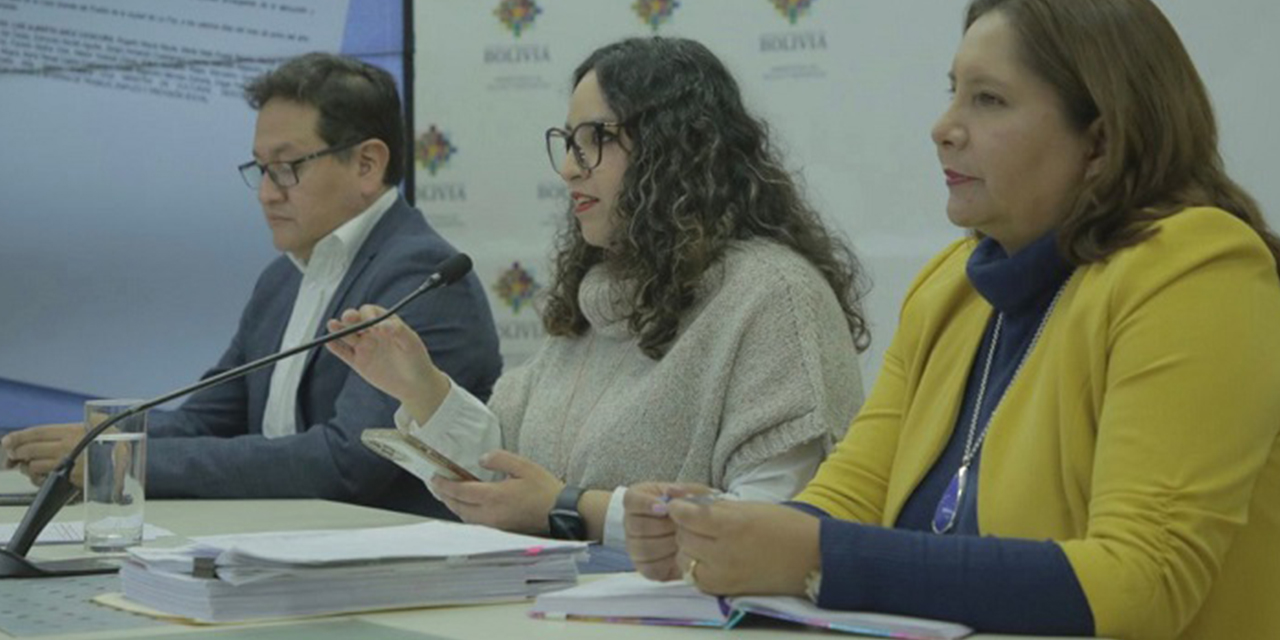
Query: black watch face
(567,525)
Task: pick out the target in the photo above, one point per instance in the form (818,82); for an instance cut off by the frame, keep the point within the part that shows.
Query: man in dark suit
(329,150)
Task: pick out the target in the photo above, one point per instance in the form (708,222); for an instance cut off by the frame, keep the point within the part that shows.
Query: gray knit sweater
(763,363)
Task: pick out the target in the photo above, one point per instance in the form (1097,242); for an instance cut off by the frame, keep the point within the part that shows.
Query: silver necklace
(948,509)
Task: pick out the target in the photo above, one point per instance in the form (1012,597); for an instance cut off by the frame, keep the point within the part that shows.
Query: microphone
(58,489)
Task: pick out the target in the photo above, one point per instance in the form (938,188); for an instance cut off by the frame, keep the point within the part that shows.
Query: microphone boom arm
(57,489)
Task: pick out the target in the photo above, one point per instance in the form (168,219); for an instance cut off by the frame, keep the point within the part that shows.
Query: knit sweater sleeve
(987,583)
(853,483)
(992,584)
(794,377)
(511,395)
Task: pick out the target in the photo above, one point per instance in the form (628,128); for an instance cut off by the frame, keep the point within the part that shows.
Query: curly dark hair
(701,173)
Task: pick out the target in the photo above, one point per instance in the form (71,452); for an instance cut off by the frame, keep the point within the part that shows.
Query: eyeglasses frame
(579,156)
(265,168)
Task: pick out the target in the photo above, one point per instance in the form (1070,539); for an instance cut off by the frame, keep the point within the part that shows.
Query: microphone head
(452,269)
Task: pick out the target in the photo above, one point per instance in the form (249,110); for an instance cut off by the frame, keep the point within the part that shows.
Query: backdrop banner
(850,90)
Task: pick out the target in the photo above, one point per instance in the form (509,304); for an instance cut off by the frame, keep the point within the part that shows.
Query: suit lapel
(342,296)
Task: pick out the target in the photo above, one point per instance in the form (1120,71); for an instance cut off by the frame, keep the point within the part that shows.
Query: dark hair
(701,173)
(356,100)
(1121,63)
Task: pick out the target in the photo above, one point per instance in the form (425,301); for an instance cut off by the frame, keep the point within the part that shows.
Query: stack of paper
(299,573)
(633,599)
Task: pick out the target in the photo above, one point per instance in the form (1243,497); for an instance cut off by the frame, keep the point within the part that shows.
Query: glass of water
(115,477)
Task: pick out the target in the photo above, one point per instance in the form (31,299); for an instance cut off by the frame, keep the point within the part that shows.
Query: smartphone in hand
(413,455)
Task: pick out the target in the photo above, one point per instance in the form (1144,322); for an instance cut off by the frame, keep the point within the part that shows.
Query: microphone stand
(57,489)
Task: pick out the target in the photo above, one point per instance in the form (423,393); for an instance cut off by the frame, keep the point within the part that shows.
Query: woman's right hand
(392,357)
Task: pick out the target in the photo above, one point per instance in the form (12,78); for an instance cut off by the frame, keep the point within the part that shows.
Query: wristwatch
(564,520)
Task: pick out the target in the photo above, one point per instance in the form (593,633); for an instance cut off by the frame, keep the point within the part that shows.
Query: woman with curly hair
(703,325)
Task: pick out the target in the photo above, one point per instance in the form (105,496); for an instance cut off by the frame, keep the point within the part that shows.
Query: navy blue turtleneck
(991,584)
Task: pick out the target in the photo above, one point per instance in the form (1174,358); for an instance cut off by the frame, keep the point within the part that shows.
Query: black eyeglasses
(284,174)
(586,141)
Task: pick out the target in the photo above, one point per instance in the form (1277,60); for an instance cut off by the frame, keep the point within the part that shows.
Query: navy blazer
(212,446)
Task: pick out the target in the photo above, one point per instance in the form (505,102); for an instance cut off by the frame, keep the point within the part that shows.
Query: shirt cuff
(780,477)
(462,429)
(615,533)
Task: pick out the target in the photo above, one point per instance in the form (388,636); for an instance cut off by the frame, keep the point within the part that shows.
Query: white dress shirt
(321,276)
(463,429)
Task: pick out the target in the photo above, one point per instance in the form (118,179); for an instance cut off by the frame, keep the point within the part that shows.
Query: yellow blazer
(1141,434)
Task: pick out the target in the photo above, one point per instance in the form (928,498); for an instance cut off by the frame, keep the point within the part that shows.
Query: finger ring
(688,573)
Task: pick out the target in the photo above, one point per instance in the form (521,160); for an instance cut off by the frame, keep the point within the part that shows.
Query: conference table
(208,517)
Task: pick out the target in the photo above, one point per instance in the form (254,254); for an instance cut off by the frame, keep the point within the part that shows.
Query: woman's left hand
(736,548)
(519,503)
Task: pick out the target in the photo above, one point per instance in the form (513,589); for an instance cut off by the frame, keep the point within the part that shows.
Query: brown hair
(1120,62)
(701,173)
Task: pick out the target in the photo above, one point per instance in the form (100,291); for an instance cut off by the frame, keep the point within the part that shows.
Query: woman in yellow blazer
(1075,429)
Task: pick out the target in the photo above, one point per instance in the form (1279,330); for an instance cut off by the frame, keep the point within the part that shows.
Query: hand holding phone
(413,455)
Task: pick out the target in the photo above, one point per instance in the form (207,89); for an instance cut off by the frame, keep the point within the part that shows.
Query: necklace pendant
(944,516)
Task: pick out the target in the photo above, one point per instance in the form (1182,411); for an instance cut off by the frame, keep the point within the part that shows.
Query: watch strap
(564,520)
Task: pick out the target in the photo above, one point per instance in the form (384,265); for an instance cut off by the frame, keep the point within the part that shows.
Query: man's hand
(37,451)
